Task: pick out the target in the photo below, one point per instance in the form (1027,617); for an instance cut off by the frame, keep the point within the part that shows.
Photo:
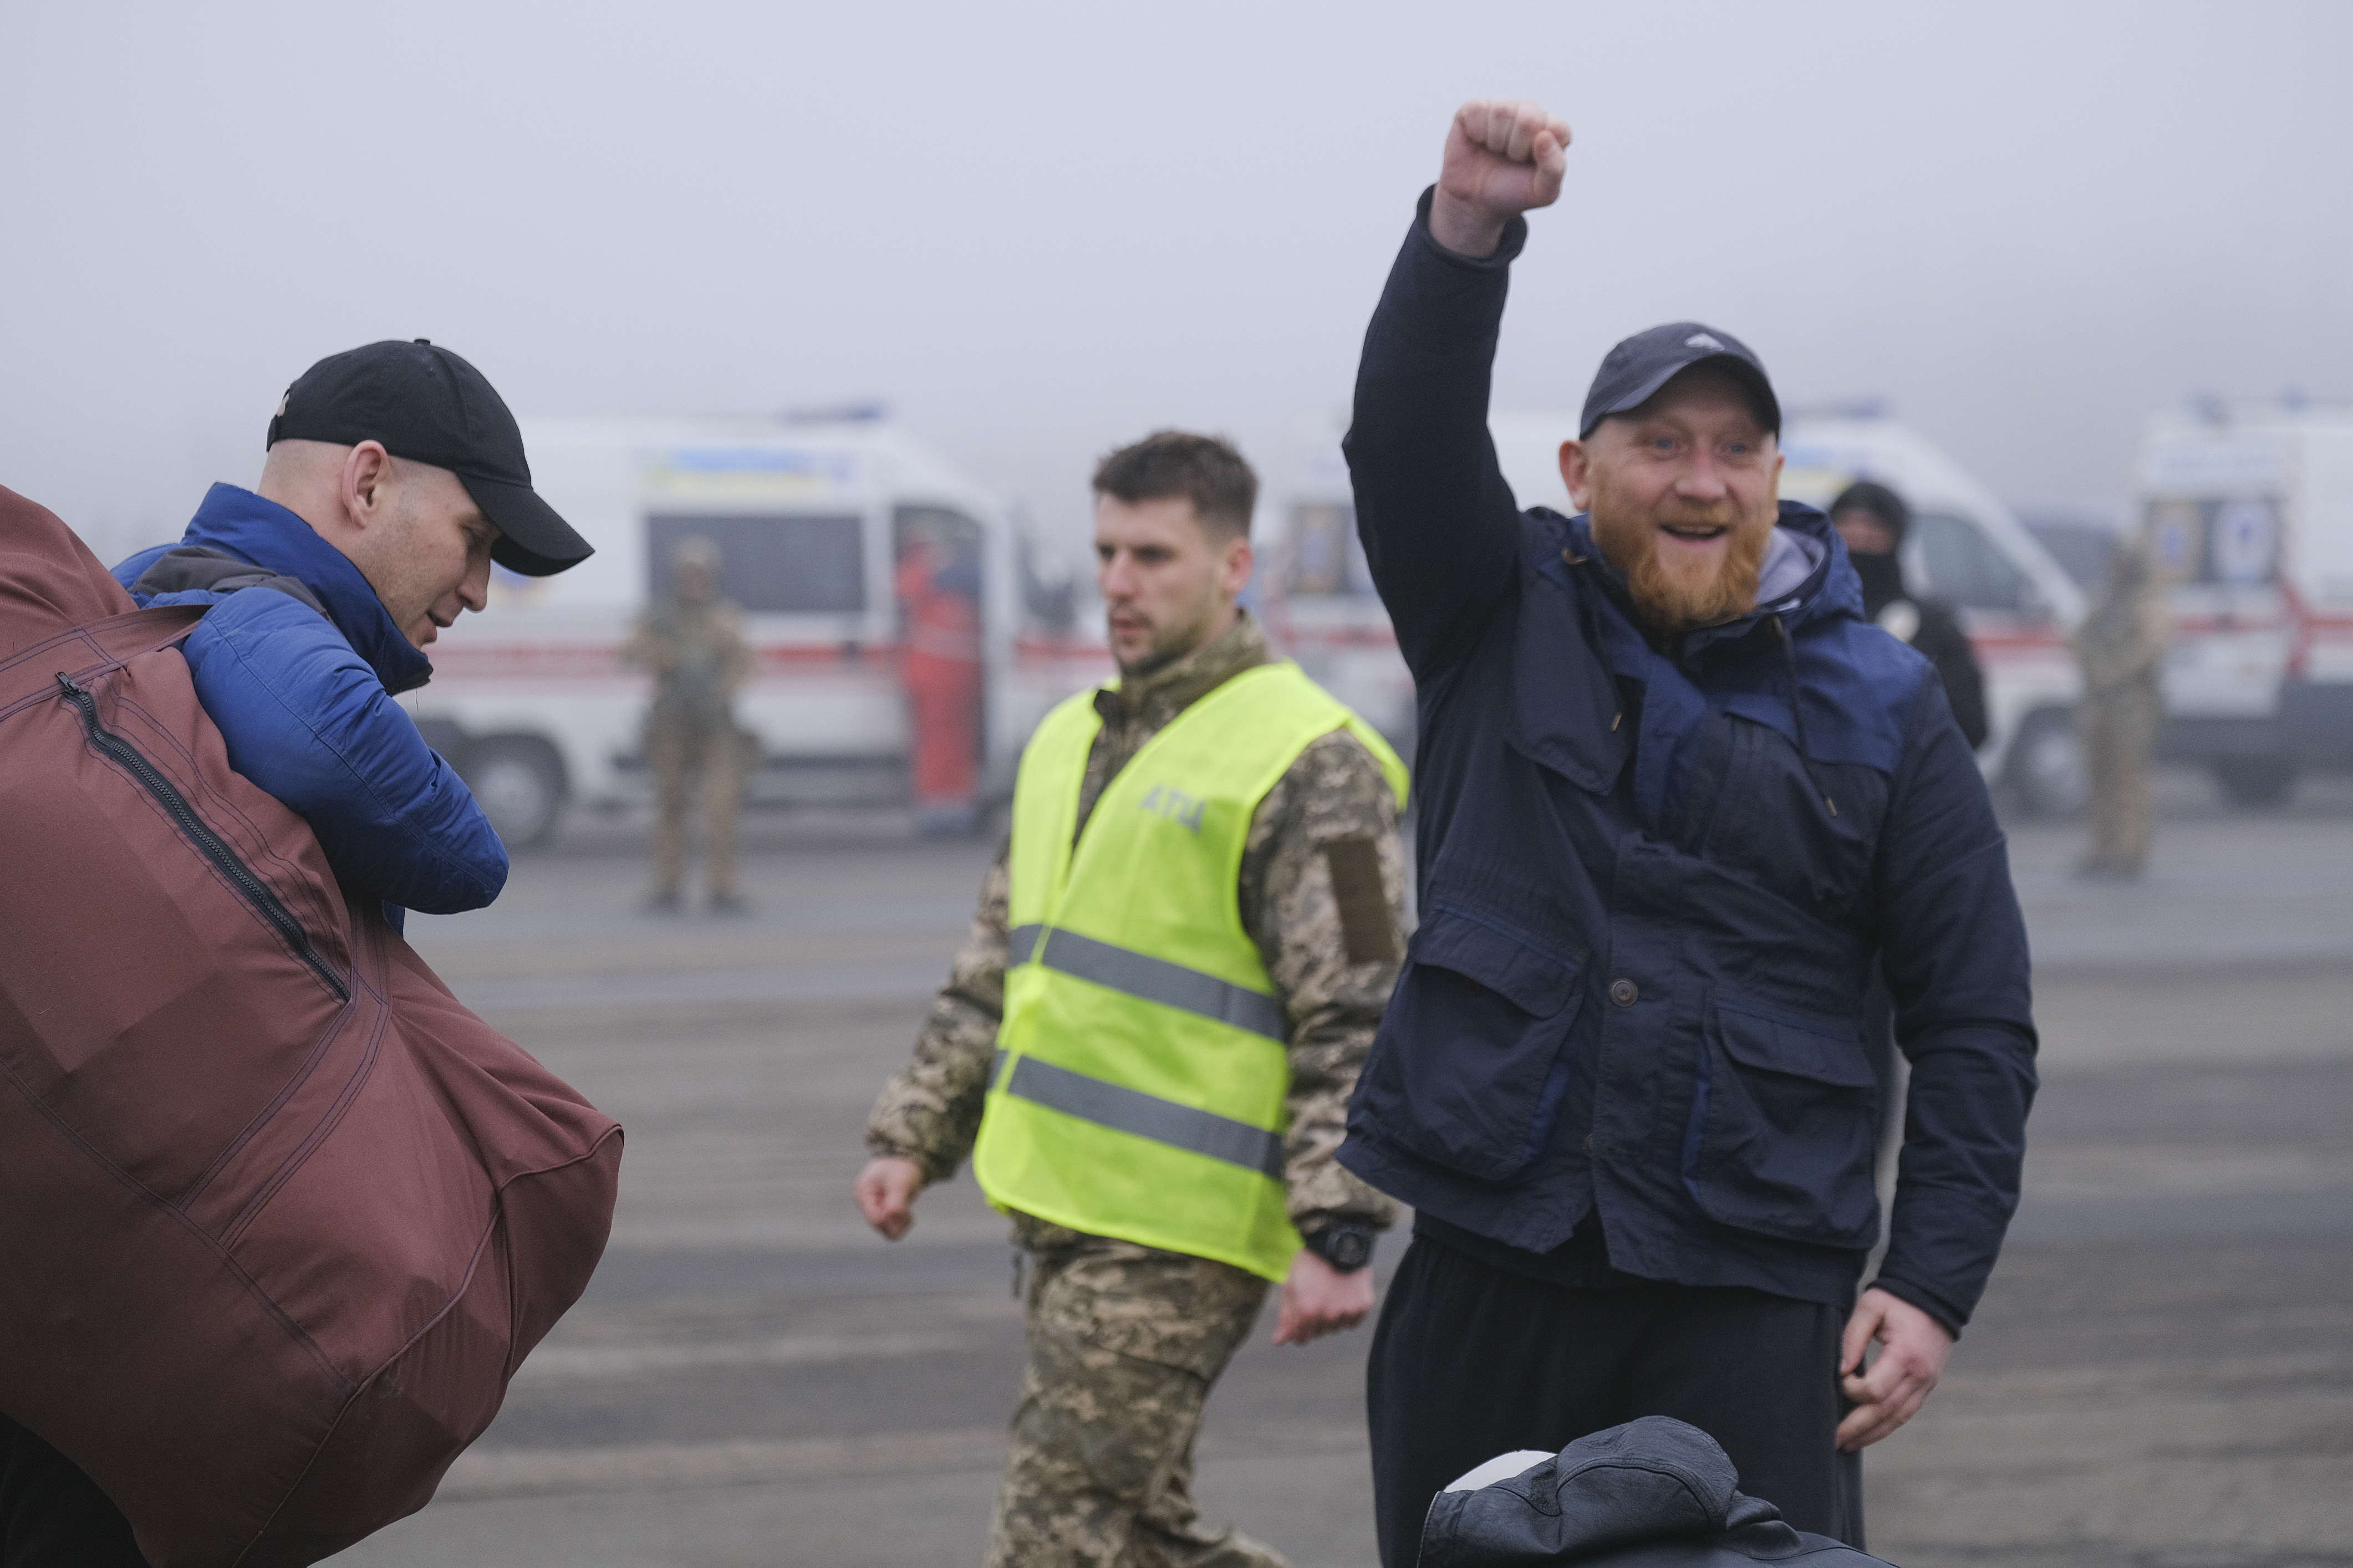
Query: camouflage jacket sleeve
(930,1113)
(735,664)
(644,649)
(2122,640)
(1322,894)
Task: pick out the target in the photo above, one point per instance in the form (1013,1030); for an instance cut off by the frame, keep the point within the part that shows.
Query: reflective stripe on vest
(1140,1087)
(1151,979)
(1162,1121)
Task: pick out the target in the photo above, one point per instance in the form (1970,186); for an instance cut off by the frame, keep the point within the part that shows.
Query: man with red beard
(1677,798)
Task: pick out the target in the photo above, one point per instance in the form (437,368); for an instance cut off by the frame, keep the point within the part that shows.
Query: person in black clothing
(1873,520)
(1678,799)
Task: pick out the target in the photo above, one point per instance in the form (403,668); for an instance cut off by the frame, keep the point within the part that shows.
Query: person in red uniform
(939,603)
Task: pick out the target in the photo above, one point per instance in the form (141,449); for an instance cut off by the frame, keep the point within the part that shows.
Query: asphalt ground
(2161,1374)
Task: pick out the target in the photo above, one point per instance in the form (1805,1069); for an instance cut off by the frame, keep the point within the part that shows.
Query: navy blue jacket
(1653,883)
(299,682)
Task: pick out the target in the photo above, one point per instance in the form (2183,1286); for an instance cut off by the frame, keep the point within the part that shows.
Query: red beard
(1671,604)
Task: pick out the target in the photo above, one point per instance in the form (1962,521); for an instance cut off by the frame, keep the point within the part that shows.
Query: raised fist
(1502,159)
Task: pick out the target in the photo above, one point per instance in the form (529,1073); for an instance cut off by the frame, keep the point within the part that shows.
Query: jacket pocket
(1784,1129)
(1465,1076)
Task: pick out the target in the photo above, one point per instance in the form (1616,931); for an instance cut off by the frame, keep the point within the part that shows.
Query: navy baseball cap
(1634,372)
(424,404)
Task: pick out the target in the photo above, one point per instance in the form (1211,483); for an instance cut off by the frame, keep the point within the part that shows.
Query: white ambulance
(532,703)
(2017,602)
(2248,510)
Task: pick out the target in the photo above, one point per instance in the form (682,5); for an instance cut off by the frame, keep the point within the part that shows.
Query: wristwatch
(1347,1247)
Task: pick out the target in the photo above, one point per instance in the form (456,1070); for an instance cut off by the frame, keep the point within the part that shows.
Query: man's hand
(886,1195)
(1318,1300)
(1913,1348)
(1502,159)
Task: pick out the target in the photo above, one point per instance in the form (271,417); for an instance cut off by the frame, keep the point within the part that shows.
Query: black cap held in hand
(1634,372)
(427,406)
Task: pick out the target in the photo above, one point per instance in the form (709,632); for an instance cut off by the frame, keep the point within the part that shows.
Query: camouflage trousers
(1126,1342)
(677,755)
(2119,730)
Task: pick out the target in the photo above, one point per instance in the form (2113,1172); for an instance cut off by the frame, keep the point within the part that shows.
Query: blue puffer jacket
(296,663)
(1653,884)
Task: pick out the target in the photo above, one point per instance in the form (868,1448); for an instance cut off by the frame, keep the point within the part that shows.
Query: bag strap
(86,652)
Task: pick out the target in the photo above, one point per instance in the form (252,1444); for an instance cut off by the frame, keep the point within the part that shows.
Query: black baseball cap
(424,404)
(1634,372)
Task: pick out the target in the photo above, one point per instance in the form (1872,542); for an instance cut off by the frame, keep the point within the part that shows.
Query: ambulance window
(2177,534)
(1960,564)
(2243,543)
(2234,541)
(1325,557)
(781,564)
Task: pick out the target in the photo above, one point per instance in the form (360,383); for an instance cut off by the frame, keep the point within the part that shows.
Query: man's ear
(368,481)
(1577,473)
(1240,561)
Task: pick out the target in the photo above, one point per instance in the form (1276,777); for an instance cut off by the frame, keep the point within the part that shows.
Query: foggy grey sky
(1038,231)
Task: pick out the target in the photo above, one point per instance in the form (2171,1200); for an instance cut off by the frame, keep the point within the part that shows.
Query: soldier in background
(2121,646)
(1153,1084)
(693,642)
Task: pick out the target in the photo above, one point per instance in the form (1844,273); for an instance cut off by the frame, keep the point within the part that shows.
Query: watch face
(1347,1249)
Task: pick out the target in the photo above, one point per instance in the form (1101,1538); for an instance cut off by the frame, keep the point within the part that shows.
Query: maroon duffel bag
(278,1217)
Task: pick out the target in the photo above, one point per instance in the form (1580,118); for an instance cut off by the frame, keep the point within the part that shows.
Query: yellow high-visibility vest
(1142,1065)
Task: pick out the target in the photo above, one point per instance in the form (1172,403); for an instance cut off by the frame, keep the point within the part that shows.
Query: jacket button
(1624,992)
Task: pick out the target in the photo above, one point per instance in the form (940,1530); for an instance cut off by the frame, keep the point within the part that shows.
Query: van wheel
(2046,767)
(2253,781)
(518,781)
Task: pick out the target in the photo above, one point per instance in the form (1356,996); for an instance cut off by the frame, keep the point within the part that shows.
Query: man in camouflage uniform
(1125,1340)
(693,642)
(2121,646)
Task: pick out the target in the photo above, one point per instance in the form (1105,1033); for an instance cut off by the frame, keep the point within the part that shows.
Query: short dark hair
(1868,496)
(1203,469)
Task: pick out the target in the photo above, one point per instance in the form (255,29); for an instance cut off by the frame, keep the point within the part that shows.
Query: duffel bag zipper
(199,833)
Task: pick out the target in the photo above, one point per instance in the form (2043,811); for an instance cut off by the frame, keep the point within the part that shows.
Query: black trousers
(53,1516)
(1470,1361)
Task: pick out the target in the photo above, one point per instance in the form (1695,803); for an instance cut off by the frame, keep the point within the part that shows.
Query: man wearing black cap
(395,477)
(1677,798)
